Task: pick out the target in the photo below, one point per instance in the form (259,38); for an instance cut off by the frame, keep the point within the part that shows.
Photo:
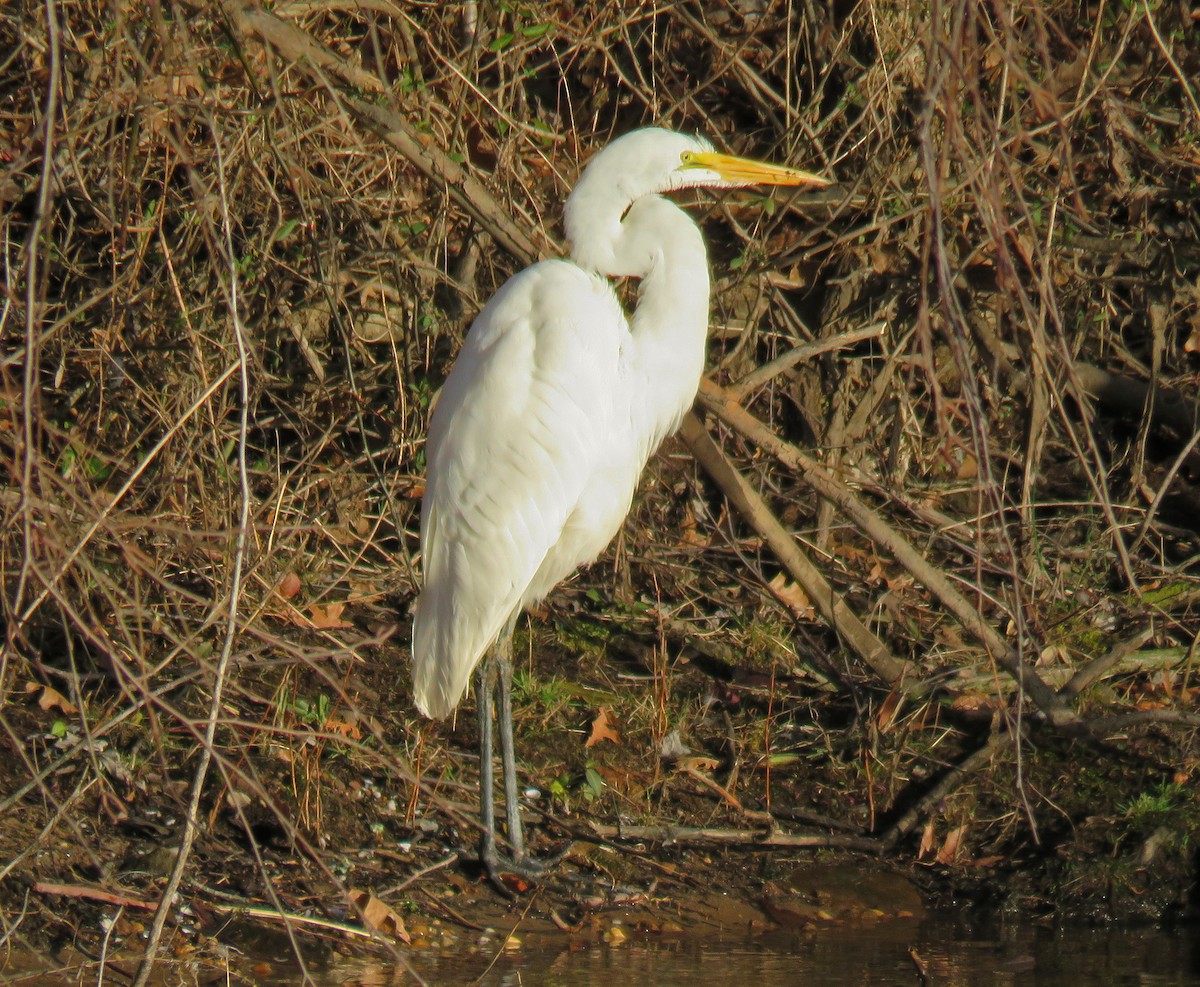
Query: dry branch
(747,838)
(875,528)
(1099,667)
(433,162)
(872,651)
(954,776)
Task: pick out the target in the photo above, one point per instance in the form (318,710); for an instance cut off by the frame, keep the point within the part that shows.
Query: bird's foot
(514,874)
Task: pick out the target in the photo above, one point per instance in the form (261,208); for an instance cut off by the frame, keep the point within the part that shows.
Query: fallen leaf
(1192,343)
(951,846)
(973,702)
(378,915)
(344,728)
(692,536)
(792,596)
(888,711)
(51,699)
(1052,654)
(926,847)
(518,885)
(329,617)
(603,728)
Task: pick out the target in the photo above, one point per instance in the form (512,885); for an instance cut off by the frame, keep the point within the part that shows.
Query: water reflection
(952,952)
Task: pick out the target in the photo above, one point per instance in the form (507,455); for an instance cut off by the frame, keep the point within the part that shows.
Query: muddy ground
(347,847)
(914,597)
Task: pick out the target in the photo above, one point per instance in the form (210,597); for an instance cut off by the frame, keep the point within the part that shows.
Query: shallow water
(954,952)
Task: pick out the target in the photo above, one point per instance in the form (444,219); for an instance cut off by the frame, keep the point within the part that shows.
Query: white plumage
(556,402)
(512,458)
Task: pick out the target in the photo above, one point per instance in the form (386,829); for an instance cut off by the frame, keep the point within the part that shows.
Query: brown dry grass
(229,297)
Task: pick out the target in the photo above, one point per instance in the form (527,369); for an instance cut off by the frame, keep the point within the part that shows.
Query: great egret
(550,412)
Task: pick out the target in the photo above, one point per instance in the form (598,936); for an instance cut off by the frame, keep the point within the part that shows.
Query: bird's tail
(439,681)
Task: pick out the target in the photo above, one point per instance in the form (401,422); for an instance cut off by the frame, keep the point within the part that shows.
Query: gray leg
(508,756)
(495,699)
(486,686)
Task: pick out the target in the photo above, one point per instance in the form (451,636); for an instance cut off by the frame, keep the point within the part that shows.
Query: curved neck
(652,239)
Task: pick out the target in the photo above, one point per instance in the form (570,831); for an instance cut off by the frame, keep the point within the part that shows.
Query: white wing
(515,439)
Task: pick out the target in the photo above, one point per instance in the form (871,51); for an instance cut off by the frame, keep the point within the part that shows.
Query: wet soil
(331,832)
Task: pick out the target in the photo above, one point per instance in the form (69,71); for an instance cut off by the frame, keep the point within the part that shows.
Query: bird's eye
(687,159)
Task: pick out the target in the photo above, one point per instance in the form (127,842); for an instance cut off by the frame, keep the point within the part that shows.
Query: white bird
(552,409)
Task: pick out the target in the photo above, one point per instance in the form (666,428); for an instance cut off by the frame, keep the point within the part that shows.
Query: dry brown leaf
(51,699)
(1052,654)
(888,711)
(951,846)
(343,727)
(692,536)
(328,617)
(603,728)
(973,701)
(792,596)
(378,915)
(927,837)
(1192,343)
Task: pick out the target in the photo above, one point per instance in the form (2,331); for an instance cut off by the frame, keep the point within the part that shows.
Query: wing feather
(512,446)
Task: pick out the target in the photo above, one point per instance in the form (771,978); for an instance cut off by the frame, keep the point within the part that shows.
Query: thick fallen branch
(874,527)
(1107,726)
(874,653)
(1100,667)
(1121,660)
(730,837)
(950,781)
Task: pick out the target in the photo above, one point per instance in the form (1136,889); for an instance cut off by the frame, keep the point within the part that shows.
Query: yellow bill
(744,171)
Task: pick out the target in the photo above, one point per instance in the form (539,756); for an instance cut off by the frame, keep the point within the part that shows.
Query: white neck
(670,323)
(654,240)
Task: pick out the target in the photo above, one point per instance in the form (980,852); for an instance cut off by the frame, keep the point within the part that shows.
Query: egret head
(653,160)
(650,162)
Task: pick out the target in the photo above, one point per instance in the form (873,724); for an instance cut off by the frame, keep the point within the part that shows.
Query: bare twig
(768,371)
(431,160)
(872,651)
(875,528)
(94,894)
(30,393)
(192,818)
